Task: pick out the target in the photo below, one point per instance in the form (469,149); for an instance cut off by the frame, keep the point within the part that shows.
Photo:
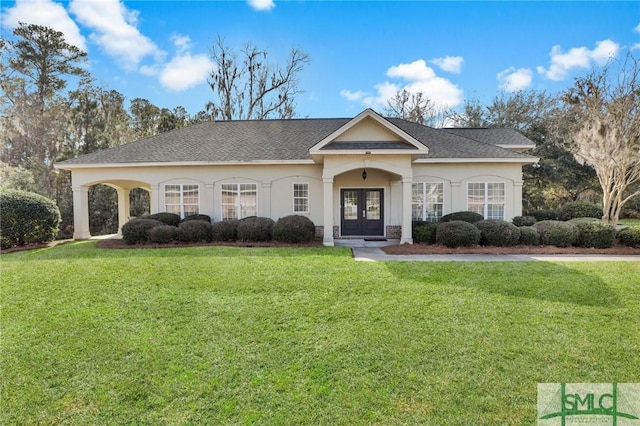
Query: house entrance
(362,212)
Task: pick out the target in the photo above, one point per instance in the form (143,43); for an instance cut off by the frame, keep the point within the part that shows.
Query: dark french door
(362,212)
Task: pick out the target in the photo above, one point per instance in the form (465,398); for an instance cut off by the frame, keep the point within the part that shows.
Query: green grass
(215,335)
(629,222)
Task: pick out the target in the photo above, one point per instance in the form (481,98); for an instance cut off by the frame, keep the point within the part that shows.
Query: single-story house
(366,176)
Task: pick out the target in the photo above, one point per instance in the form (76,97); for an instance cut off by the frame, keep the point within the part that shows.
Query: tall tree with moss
(37,64)
(246,86)
(604,130)
(557,178)
(418,108)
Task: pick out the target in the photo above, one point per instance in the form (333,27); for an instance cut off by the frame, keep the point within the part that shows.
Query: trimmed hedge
(294,229)
(594,233)
(579,209)
(195,231)
(457,233)
(27,218)
(255,229)
(470,217)
(542,214)
(137,230)
(529,236)
(227,230)
(556,233)
(170,219)
(629,237)
(424,232)
(524,221)
(162,234)
(203,217)
(498,233)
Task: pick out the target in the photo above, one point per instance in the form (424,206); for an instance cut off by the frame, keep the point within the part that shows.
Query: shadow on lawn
(89,249)
(532,280)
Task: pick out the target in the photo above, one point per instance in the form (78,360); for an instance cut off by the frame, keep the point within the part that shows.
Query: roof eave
(73,166)
(520,160)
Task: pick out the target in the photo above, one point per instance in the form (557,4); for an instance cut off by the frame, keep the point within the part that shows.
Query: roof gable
(368,131)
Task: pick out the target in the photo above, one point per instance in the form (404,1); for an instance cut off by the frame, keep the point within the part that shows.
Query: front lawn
(228,335)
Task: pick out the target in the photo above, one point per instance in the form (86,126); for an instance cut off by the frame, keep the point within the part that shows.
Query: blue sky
(361,52)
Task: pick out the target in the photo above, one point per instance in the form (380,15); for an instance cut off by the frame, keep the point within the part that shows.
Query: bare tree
(604,130)
(246,86)
(418,108)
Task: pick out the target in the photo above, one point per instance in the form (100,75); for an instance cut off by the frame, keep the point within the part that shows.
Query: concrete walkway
(371,251)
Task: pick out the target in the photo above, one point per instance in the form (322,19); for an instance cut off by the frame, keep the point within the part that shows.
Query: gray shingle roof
(278,140)
(493,135)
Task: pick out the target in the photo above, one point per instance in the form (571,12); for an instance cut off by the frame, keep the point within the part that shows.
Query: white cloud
(352,96)
(451,64)
(637,29)
(635,46)
(262,5)
(181,42)
(413,77)
(115,30)
(577,57)
(513,80)
(185,71)
(46,13)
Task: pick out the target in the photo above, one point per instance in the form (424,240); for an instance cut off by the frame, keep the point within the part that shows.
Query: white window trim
(423,185)
(306,198)
(238,205)
(181,185)
(485,207)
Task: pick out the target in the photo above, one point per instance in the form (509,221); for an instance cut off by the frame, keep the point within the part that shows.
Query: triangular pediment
(368,132)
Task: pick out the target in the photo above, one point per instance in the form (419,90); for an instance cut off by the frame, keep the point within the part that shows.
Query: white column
(517,202)
(327,239)
(456,203)
(81,213)
(124,208)
(266,200)
(207,203)
(154,199)
(406,236)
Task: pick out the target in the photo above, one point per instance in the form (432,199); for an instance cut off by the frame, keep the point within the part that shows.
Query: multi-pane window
(486,198)
(183,200)
(301,198)
(239,200)
(426,201)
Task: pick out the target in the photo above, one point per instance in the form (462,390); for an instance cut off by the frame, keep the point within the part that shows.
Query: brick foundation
(394,232)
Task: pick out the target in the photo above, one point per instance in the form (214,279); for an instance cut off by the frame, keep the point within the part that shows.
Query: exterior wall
(455,178)
(275,183)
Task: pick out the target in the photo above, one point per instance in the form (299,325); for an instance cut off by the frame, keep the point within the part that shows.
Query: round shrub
(529,236)
(593,233)
(162,234)
(226,230)
(629,237)
(424,232)
(256,229)
(524,220)
(294,229)
(498,233)
(137,230)
(579,209)
(556,233)
(542,214)
(457,233)
(27,218)
(170,219)
(203,217)
(195,231)
(470,217)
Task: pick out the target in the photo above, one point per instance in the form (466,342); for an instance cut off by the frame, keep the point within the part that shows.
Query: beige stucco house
(366,176)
